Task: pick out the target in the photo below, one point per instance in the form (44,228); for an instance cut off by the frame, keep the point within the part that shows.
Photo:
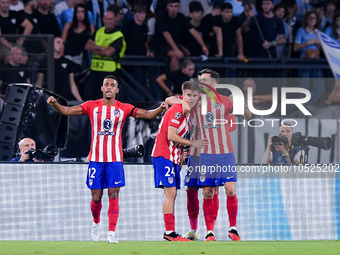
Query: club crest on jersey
(107,124)
(202,178)
(171,180)
(178,115)
(117,113)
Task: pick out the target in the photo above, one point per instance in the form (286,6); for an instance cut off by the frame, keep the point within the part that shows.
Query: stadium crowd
(172,29)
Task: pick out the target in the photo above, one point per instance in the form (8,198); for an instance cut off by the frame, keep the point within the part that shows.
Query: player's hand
(186,108)
(199,143)
(164,106)
(51,100)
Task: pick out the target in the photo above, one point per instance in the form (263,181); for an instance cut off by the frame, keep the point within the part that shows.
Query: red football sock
(113,213)
(169,220)
(208,210)
(216,206)
(232,209)
(193,208)
(96,209)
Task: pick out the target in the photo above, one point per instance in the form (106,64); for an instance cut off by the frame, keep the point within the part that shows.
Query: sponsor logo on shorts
(118,182)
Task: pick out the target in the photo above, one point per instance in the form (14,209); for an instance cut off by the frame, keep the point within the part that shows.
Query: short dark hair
(192,85)
(139,8)
(186,62)
(111,77)
(217,5)
(283,6)
(195,6)
(213,74)
(227,6)
(115,8)
(173,1)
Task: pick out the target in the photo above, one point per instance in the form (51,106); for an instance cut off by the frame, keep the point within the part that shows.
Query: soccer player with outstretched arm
(105,170)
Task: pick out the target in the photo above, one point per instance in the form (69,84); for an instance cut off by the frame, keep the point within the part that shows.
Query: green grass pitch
(164,247)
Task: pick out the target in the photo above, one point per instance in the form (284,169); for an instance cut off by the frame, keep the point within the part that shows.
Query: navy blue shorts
(105,175)
(167,173)
(193,173)
(216,169)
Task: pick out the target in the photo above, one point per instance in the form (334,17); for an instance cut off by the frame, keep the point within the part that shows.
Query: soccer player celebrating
(105,169)
(219,151)
(166,154)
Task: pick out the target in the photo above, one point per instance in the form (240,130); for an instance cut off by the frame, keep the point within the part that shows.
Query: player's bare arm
(74,110)
(151,114)
(176,100)
(174,137)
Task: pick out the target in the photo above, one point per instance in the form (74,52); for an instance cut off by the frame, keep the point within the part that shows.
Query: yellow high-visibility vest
(104,63)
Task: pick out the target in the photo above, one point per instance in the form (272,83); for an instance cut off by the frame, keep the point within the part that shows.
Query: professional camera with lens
(47,154)
(279,140)
(320,142)
(134,152)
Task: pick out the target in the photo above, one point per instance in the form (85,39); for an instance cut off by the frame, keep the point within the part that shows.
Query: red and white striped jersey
(214,126)
(163,147)
(107,123)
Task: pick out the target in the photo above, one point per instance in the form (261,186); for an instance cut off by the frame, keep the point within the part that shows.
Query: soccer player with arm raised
(105,170)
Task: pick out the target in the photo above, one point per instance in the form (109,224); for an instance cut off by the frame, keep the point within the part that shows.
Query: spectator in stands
(60,7)
(308,44)
(171,29)
(172,81)
(334,30)
(119,14)
(63,74)
(228,32)
(319,8)
(282,153)
(334,96)
(14,71)
(76,34)
(284,50)
(136,36)
(257,99)
(107,47)
(292,19)
(98,8)
(326,20)
(195,19)
(271,28)
(46,21)
(10,22)
(237,5)
(207,28)
(67,15)
(35,45)
(24,146)
(248,36)
(16,5)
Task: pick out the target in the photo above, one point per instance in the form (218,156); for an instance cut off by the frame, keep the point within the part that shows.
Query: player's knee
(96,200)
(208,194)
(230,191)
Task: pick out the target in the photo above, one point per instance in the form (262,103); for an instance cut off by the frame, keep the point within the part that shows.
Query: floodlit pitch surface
(164,247)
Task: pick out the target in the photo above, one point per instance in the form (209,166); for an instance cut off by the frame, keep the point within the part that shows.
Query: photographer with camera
(25,145)
(280,150)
